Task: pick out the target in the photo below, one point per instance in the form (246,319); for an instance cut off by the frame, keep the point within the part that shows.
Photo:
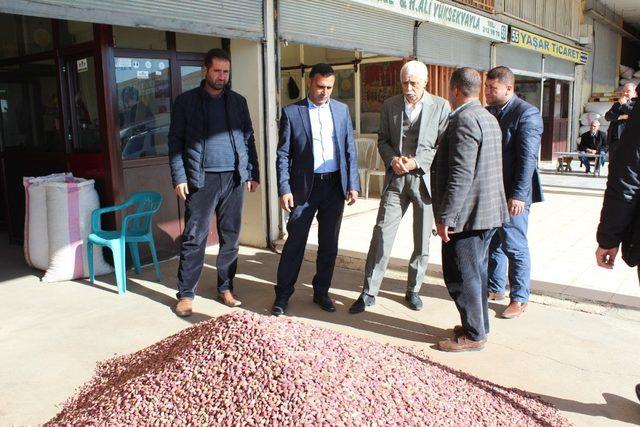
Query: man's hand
(606,257)
(351,198)
(398,167)
(286,202)
(444,232)
(591,151)
(623,117)
(252,186)
(182,190)
(516,207)
(409,163)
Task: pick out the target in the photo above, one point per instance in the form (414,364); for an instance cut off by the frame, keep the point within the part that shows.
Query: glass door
(190,75)
(143,85)
(555,115)
(83,122)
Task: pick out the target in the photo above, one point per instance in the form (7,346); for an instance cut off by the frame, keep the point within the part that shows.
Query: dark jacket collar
(204,93)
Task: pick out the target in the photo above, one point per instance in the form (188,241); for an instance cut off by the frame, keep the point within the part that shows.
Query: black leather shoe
(324,302)
(638,391)
(279,308)
(361,303)
(413,301)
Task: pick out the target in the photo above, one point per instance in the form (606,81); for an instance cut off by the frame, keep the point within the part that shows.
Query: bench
(566,157)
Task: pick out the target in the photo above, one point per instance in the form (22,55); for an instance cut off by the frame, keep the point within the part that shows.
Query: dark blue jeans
(584,160)
(327,200)
(510,246)
(464,267)
(222,194)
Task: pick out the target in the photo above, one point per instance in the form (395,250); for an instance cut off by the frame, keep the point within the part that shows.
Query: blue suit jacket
(522,128)
(294,163)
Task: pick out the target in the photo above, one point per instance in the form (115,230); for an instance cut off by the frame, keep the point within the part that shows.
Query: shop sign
(82,65)
(532,41)
(444,14)
(123,63)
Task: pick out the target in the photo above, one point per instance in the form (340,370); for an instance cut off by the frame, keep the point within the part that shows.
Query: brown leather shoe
(461,343)
(229,300)
(496,296)
(514,309)
(458,331)
(184,308)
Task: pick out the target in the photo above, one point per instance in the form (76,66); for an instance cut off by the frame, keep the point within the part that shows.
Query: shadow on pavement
(615,408)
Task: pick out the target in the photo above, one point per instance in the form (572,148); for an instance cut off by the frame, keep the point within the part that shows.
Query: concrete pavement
(562,241)
(585,362)
(53,334)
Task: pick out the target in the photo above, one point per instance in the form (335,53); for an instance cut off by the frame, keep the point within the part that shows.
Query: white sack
(598,107)
(36,240)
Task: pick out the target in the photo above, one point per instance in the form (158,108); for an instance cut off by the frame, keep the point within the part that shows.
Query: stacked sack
(57,222)
(594,111)
(629,75)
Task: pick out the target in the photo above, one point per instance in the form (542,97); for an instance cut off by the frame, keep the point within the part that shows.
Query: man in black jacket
(618,115)
(212,155)
(593,142)
(620,216)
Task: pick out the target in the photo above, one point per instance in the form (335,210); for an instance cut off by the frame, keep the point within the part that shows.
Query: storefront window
(30,107)
(528,89)
(190,77)
(144,106)
(378,82)
(139,38)
(196,43)
(344,91)
(24,35)
(73,32)
(84,105)
(292,86)
(314,55)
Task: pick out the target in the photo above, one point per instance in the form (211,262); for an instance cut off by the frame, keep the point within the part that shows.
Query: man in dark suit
(317,171)
(468,206)
(618,115)
(593,142)
(522,127)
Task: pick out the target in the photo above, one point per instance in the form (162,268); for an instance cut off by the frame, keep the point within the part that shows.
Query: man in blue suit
(317,171)
(522,127)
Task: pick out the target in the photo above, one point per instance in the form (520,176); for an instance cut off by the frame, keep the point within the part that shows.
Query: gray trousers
(401,191)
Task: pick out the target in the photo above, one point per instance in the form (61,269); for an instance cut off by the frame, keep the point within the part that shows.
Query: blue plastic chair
(135,228)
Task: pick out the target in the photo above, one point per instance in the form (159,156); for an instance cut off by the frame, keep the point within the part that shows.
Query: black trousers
(222,194)
(327,201)
(464,267)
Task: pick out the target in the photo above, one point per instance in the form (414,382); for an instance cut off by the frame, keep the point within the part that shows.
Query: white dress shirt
(324,138)
(413,111)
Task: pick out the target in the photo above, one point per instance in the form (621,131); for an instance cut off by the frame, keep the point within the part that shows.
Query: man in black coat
(618,115)
(593,142)
(620,216)
(212,155)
